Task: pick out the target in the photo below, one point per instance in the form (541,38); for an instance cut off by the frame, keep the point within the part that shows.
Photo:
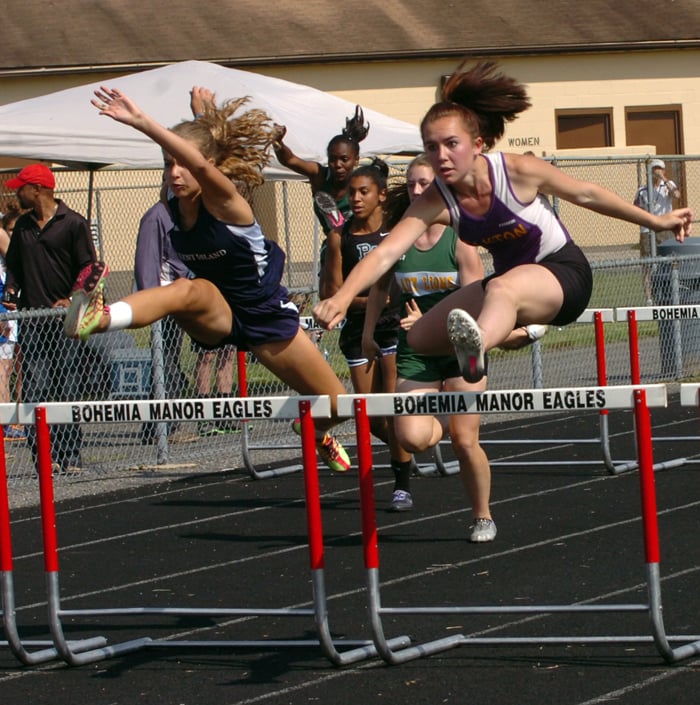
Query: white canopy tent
(63,127)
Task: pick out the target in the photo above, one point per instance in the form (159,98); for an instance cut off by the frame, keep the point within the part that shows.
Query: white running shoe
(465,335)
(401,501)
(482,531)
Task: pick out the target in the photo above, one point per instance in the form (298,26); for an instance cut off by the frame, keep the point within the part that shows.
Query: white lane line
(688,667)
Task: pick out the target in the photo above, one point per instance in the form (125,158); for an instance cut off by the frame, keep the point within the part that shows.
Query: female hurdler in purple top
(512,231)
(534,284)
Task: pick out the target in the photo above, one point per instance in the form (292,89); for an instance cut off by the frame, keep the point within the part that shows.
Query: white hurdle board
(687,312)
(8,414)
(233,408)
(512,400)
(607,315)
(690,394)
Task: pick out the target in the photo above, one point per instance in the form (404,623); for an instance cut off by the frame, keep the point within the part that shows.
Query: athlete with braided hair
(493,200)
(236,297)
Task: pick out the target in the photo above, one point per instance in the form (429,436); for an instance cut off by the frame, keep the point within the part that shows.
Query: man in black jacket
(50,246)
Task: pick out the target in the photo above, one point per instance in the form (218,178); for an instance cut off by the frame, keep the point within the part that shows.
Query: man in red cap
(50,246)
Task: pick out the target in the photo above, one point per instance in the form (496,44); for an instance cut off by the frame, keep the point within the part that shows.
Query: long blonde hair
(239,145)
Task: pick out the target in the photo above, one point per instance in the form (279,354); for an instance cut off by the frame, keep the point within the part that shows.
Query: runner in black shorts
(498,201)
(347,245)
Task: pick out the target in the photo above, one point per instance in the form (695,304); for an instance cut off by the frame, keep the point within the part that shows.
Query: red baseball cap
(38,174)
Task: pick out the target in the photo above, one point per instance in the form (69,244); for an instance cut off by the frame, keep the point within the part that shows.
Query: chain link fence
(161,362)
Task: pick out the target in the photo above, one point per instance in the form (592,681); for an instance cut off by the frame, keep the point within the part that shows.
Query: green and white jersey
(427,276)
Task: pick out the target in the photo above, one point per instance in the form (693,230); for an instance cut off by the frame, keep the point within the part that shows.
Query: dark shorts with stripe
(573,272)
(352,349)
(386,336)
(269,321)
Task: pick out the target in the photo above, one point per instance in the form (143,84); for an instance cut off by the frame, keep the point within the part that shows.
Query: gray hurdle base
(636,397)
(148,410)
(437,464)
(20,647)
(248,446)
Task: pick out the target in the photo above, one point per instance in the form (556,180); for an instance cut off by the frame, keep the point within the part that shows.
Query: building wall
(405,89)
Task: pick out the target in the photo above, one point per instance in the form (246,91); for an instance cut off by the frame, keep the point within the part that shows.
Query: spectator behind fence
(9,350)
(50,246)
(156,264)
(663,191)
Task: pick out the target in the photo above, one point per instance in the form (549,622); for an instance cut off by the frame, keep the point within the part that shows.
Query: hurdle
(636,397)
(651,313)
(191,409)
(690,396)
(598,317)
(18,646)
(246,444)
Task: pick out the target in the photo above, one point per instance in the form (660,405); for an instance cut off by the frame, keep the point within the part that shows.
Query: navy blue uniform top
(244,265)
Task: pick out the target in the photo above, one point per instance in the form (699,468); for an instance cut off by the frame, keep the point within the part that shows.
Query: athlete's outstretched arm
(529,174)
(219,193)
(422,213)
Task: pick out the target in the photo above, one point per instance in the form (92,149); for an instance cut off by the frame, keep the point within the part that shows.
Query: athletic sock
(402,474)
(120,316)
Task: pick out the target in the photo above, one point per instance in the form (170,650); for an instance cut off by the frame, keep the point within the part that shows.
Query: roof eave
(352,57)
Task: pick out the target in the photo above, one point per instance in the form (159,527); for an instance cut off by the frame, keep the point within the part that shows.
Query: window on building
(658,125)
(577,129)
